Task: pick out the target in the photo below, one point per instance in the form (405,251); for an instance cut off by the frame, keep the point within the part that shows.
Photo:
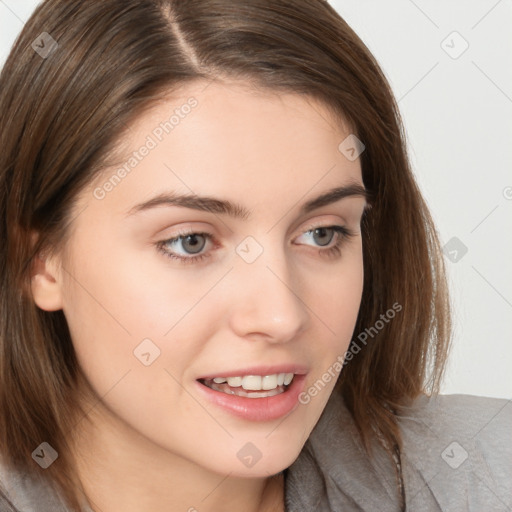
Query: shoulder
(456,455)
(23,493)
(461,411)
(457,451)
(482,421)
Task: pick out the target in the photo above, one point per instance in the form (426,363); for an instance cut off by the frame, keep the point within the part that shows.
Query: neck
(123,470)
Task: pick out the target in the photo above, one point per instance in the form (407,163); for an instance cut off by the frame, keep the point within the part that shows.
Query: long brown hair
(62,110)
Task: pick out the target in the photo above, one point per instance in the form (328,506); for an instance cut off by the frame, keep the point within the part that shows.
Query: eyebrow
(219,206)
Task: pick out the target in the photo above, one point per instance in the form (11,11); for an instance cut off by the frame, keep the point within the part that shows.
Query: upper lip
(261,370)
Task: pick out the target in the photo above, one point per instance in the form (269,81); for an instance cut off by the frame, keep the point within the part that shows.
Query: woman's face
(259,284)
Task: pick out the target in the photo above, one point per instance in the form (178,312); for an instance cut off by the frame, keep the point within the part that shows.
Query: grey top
(457,456)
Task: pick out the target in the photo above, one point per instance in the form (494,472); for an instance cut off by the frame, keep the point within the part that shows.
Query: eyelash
(344,234)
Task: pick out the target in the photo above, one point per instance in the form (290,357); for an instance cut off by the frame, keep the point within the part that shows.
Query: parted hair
(62,113)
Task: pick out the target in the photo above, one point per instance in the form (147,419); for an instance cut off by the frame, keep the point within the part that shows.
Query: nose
(268,302)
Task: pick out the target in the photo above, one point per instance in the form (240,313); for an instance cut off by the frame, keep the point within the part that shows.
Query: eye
(189,247)
(186,247)
(323,236)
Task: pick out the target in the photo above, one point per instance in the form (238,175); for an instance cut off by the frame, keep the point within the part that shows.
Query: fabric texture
(457,456)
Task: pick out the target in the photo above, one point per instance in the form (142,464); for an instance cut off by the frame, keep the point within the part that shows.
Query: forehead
(235,109)
(222,138)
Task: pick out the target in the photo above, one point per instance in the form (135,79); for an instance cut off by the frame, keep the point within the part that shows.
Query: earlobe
(46,284)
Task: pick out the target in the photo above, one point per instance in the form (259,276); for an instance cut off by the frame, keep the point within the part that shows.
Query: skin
(153,442)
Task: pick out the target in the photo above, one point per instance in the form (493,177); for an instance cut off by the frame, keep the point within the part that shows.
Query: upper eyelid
(343,219)
(213,239)
(307,228)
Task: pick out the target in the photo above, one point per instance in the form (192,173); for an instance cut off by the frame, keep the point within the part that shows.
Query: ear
(46,282)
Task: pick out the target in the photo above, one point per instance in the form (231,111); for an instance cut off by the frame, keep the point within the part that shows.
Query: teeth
(288,378)
(235,382)
(252,383)
(256,382)
(269,382)
(248,394)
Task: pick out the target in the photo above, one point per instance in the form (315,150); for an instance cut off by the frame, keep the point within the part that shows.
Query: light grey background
(457,110)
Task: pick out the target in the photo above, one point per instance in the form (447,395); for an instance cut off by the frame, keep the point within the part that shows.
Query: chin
(260,456)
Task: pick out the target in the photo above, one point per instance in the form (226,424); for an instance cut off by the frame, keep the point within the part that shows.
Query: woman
(221,287)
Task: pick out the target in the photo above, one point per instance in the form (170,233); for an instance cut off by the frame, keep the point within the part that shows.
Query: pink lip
(257,409)
(259,370)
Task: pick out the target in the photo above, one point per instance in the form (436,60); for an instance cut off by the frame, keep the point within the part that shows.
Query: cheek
(120,306)
(336,304)
(337,297)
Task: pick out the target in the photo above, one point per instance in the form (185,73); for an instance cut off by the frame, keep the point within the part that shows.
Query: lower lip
(258,409)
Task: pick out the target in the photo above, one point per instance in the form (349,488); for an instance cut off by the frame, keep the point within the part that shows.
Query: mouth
(251,386)
(260,393)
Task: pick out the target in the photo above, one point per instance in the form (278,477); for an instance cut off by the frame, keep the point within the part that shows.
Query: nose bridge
(267,301)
